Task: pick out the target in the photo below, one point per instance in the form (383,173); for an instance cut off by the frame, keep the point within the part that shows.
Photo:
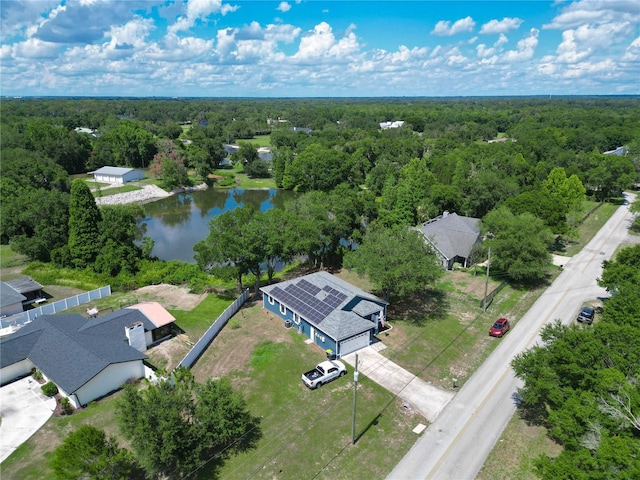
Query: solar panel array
(304,299)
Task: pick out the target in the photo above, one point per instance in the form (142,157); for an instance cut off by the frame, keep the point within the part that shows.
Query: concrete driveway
(425,398)
(23,410)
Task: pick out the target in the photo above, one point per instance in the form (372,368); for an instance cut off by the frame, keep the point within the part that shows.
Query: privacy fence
(193,355)
(55,307)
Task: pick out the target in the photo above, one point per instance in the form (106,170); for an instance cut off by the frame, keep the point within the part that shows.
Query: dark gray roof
(339,306)
(70,349)
(24,285)
(9,295)
(452,234)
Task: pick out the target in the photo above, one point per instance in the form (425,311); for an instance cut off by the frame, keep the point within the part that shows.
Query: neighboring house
(32,290)
(332,313)
(117,175)
(452,236)
(87,358)
(10,300)
(301,129)
(264,153)
(387,125)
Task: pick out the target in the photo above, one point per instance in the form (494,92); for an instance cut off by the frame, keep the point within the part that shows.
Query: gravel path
(148,193)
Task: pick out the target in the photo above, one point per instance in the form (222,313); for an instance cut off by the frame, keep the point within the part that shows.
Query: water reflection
(178,222)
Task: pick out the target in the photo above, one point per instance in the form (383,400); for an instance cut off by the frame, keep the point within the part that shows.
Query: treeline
(534,157)
(583,384)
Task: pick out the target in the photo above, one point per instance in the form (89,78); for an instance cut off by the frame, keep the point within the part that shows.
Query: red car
(499,328)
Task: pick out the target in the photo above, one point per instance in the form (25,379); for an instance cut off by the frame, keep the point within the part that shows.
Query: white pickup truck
(323,373)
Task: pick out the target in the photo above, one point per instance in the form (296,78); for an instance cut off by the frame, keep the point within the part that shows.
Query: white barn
(118,175)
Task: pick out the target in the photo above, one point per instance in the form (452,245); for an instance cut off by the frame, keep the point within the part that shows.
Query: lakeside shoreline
(148,193)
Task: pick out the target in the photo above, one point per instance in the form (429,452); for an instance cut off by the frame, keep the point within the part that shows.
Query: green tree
(398,261)
(87,453)
(176,425)
(126,145)
(520,244)
(84,225)
(235,242)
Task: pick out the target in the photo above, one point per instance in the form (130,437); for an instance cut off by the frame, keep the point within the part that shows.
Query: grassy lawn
(259,140)
(115,190)
(10,259)
(242,180)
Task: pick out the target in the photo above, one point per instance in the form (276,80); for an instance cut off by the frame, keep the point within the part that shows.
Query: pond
(178,222)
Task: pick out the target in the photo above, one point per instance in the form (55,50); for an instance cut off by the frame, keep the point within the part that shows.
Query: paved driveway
(420,396)
(23,410)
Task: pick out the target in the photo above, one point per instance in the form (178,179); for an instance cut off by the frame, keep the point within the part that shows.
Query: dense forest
(523,166)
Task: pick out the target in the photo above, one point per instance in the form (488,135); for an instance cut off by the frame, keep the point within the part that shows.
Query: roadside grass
(590,225)
(515,452)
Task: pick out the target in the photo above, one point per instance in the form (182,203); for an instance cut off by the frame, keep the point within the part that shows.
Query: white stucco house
(118,175)
(87,358)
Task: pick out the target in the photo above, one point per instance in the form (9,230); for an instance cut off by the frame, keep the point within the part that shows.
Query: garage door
(354,343)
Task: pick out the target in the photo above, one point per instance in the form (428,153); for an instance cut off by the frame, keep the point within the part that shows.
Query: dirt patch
(171,297)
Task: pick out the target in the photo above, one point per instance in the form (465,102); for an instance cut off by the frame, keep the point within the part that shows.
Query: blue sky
(314,48)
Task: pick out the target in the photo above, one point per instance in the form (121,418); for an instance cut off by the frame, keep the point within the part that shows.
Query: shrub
(67,409)
(49,389)
(36,374)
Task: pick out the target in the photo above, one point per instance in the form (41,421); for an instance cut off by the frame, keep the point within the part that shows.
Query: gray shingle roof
(70,349)
(24,285)
(452,234)
(9,295)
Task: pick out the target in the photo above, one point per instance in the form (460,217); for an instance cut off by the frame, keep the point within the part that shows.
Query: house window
(283,309)
(270,299)
(296,319)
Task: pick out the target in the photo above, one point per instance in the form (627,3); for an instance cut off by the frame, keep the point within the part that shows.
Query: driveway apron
(418,394)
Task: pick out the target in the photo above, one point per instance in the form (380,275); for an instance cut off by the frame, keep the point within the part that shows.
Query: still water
(178,222)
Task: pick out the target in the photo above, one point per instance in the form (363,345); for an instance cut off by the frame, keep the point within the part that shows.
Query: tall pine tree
(84,225)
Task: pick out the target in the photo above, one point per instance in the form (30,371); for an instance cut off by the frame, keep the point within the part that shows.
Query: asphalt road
(456,445)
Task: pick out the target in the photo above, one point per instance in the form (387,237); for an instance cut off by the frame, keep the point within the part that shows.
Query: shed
(117,175)
(332,313)
(10,300)
(28,287)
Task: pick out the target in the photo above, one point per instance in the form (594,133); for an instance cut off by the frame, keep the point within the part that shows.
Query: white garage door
(354,343)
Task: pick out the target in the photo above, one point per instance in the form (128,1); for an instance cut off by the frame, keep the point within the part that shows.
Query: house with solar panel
(332,313)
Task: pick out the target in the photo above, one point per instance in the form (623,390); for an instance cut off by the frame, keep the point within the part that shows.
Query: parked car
(499,328)
(586,315)
(323,373)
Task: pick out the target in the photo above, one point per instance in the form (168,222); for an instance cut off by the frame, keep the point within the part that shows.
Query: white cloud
(444,27)
(505,25)
(583,12)
(200,10)
(632,53)
(32,48)
(321,43)
(483,51)
(21,15)
(284,7)
(525,48)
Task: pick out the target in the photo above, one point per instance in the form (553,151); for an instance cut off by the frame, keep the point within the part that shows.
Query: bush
(36,374)
(49,389)
(67,409)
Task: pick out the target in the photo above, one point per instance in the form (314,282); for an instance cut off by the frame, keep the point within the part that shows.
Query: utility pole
(486,283)
(355,394)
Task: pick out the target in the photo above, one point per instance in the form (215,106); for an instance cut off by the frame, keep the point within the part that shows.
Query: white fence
(52,308)
(193,355)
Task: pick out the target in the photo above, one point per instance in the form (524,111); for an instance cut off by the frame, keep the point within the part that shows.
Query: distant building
(387,125)
(620,151)
(117,175)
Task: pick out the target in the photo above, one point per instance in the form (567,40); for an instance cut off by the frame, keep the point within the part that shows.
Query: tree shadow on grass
(420,307)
